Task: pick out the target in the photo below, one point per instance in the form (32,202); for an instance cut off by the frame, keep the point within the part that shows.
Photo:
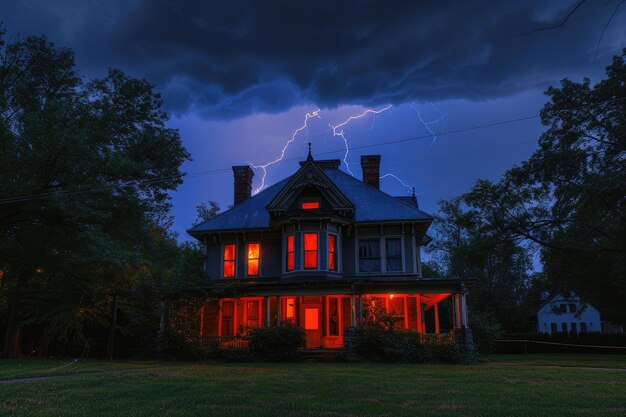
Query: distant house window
(229,261)
(332,252)
(310,205)
(573,327)
(572,308)
(563,308)
(290,254)
(564,327)
(553,328)
(393,254)
(369,255)
(254,252)
(310,251)
(583,327)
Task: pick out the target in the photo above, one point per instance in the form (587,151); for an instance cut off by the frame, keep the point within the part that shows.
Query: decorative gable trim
(309,175)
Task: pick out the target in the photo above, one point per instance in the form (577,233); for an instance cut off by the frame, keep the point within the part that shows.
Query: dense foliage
(276,342)
(390,345)
(567,201)
(85,171)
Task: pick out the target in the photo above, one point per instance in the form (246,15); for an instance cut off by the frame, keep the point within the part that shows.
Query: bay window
(290,254)
(310,251)
(332,252)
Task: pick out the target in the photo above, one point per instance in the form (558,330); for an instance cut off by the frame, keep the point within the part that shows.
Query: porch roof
(325,286)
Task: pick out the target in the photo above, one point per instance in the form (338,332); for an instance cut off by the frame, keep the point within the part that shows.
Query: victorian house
(312,248)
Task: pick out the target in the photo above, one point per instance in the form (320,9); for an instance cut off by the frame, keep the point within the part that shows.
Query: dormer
(310,194)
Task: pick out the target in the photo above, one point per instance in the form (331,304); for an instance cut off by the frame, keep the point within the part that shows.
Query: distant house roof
(370,203)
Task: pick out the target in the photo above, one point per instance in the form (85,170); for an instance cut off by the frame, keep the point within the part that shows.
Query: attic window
(310,205)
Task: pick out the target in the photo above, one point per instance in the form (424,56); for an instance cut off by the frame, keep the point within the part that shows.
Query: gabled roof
(370,205)
(309,174)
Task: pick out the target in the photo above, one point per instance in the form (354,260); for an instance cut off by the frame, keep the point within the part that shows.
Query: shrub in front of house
(278,343)
(392,345)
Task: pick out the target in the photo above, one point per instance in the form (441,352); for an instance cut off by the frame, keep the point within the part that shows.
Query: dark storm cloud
(229,59)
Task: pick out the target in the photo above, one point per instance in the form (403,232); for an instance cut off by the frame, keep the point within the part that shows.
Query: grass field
(506,385)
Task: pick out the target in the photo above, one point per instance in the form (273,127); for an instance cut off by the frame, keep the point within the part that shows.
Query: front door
(312,326)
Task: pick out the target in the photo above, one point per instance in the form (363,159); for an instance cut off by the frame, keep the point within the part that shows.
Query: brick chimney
(370,164)
(243,182)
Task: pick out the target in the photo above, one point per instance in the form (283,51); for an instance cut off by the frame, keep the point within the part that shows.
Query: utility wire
(31,197)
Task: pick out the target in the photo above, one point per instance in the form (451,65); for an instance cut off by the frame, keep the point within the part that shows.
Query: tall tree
(569,197)
(467,245)
(85,171)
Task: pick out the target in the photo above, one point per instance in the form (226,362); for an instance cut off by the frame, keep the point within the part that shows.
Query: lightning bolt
(282,153)
(399,180)
(440,119)
(341,133)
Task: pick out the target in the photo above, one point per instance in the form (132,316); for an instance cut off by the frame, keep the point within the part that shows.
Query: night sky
(238,78)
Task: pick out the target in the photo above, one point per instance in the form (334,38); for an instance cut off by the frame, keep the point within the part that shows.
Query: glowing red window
(254,251)
(332,252)
(310,205)
(229,261)
(290,254)
(310,251)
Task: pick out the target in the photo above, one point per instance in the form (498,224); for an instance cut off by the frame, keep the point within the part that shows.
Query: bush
(406,346)
(485,332)
(276,343)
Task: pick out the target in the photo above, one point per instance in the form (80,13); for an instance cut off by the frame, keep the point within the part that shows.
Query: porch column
(352,311)
(360,310)
(267,311)
(420,322)
(278,310)
(436,311)
(458,311)
(464,317)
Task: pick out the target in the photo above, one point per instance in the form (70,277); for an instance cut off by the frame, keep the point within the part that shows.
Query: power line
(31,197)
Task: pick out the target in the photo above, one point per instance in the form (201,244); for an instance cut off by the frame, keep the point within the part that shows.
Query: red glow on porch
(310,205)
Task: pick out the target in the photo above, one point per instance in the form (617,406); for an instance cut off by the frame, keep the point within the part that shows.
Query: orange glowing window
(310,251)
(332,252)
(290,312)
(229,261)
(290,254)
(311,319)
(310,205)
(254,251)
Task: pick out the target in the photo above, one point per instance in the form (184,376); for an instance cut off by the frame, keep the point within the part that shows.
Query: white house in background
(568,314)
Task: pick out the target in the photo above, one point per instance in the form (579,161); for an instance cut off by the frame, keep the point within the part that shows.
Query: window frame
(304,251)
(257,259)
(286,253)
(336,253)
(382,241)
(223,261)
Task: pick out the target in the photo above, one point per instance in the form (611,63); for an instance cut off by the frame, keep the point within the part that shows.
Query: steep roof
(371,205)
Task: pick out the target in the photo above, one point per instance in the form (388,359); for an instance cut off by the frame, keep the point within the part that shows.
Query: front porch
(325,318)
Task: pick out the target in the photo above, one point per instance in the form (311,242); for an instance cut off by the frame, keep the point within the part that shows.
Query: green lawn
(555,385)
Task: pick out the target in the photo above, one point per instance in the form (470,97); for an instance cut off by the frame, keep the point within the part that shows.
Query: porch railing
(227,342)
(447,337)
